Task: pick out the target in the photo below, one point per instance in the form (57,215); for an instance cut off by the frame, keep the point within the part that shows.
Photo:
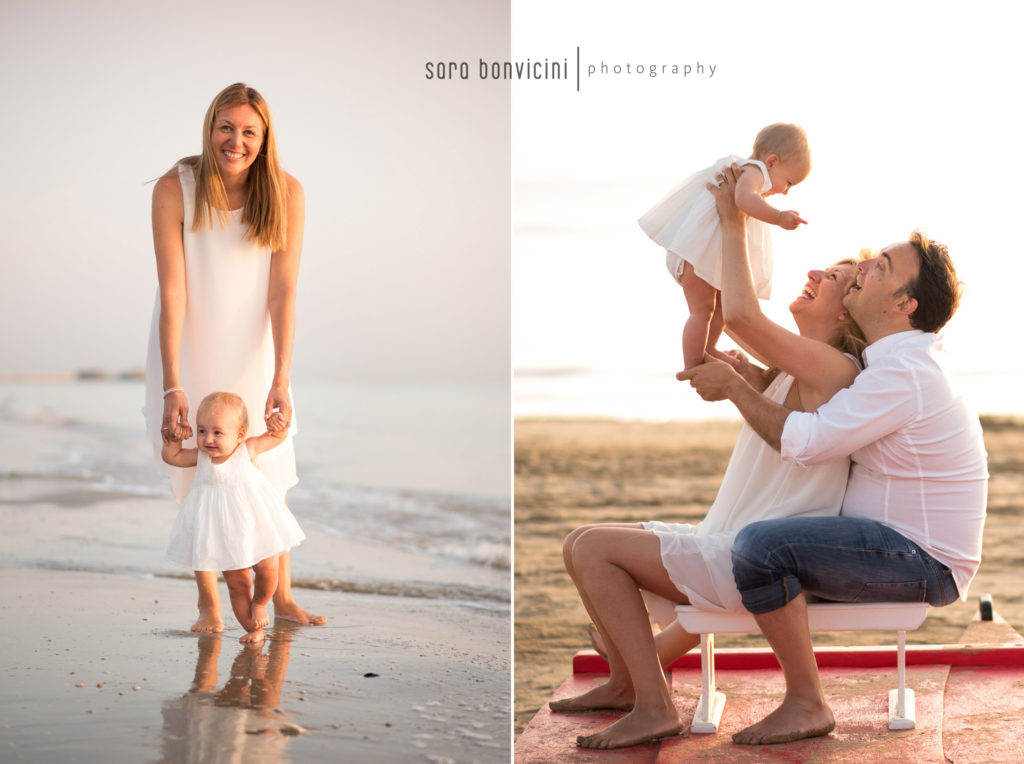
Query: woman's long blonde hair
(266,204)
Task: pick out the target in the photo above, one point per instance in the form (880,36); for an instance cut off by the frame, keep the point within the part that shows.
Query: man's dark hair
(936,287)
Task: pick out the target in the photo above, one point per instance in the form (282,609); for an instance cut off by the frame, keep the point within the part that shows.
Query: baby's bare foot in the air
(260,618)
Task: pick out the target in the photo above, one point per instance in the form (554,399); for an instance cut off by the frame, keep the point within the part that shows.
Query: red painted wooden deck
(970,707)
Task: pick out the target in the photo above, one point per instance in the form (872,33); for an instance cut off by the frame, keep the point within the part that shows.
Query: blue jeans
(845,559)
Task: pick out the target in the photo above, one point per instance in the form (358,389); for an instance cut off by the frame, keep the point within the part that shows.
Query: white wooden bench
(821,616)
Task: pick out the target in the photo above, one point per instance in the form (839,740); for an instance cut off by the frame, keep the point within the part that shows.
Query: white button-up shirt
(919,461)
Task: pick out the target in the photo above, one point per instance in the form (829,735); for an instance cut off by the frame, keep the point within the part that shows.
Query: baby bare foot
(635,728)
(793,720)
(292,612)
(259,616)
(602,697)
(253,637)
(209,623)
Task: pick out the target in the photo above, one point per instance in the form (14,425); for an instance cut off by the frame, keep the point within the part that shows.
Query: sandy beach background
(408,557)
(572,472)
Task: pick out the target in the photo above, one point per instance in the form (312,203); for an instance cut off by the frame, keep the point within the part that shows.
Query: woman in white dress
(612,564)
(227,230)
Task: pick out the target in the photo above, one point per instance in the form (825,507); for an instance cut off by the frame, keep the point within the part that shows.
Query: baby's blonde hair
(784,140)
(228,400)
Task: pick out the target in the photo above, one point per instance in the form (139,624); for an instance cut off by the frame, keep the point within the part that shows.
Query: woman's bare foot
(290,611)
(605,696)
(253,637)
(635,728)
(259,616)
(209,622)
(793,720)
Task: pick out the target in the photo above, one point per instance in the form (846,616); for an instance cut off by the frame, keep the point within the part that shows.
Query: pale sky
(406,257)
(910,108)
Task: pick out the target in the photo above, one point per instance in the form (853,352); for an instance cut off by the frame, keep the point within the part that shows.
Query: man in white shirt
(912,517)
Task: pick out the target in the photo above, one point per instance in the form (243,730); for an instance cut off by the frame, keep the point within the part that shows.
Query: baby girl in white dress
(232,519)
(685,222)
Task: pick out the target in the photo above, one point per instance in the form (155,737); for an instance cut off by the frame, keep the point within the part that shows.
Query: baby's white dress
(232,517)
(757,485)
(686,223)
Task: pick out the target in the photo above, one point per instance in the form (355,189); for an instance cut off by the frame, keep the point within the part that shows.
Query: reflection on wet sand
(241,721)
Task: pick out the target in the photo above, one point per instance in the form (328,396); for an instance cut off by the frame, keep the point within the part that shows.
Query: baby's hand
(790,219)
(276,422)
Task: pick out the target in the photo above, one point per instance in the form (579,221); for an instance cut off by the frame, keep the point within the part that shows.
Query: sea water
(418,472)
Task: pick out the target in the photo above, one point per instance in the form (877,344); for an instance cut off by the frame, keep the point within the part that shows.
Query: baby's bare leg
(701,300)
(266,585)
(240,590)
(209,620)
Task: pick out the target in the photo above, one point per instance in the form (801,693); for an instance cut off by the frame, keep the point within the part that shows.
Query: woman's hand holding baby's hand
(277,423)
(175,420)
(279,404)
(790,219)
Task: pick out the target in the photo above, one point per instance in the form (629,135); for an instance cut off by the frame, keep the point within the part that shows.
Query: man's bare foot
(209,623)
(253,637)
(793,720)
(604,696)
(635,728)
(259,616)
(292,612)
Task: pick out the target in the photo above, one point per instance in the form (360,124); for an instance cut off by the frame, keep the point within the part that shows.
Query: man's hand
(713,380)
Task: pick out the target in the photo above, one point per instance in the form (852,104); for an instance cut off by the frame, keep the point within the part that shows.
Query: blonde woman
(227,231)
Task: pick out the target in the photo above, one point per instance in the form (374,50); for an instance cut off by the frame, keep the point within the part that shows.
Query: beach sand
(99,664)
(570,473)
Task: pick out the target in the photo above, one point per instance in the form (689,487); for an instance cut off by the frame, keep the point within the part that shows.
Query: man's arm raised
(716,380)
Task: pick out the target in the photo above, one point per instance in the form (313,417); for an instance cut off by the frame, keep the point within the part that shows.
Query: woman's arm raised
(821,368)
(168,222)
(284,277)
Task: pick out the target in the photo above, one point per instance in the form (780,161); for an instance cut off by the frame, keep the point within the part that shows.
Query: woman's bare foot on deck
(209,623)
(635,728)
(259,616)
(604,696)
(793,720)
(253,637)
(291,611)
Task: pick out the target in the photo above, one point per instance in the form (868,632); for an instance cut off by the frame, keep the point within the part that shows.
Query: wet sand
(572,472)
(98,664)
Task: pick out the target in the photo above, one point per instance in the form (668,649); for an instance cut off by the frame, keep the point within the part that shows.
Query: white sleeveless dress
(226,341)
(685,222)
(232,517)
(757,485)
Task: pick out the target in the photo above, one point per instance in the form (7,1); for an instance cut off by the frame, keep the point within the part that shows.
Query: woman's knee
(588,547)
(570,544)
